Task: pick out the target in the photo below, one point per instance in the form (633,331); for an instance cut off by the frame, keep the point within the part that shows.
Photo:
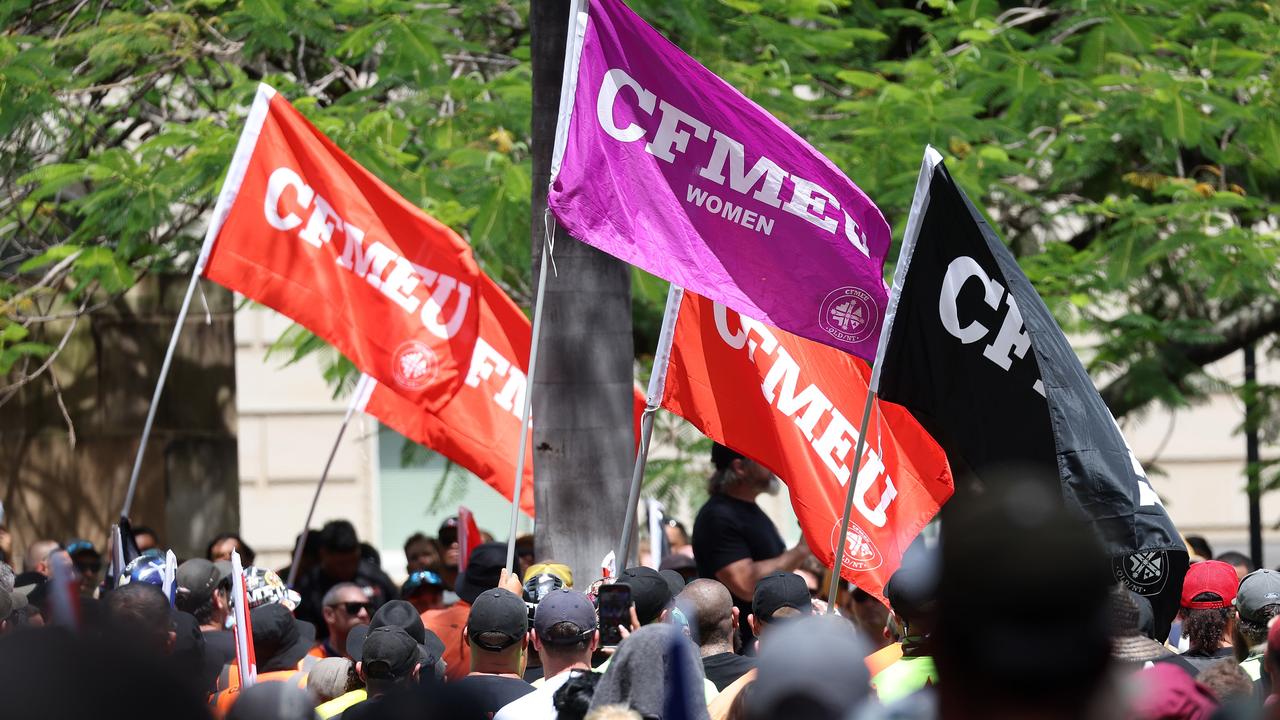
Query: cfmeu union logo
(1143,572)
(860,553)
(849,314)
(414,365)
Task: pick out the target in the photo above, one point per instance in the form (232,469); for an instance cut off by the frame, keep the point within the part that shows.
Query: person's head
(1208,593)
(870,616)
(37,557)
(653,668)
(1165,692)
(424,589)
(145,538)
(1257,602)
(421,553)
(273,701)
(650,592)
(398,613)
(279,640)
(1199,547)
(524,554)
(389,658)
(221,546)
(912,591)
(330,678)
(565,630)
(12,603)
(682,564)
(447,536)
(1131,648)
(1228,682)
(677,536)
(201,592)
(1238,560)
(88,564)
(1023,619)
(344,606)
(497,632)
(779,596)
(810,668)
(1271,658)
(738,473)
(339,550)
(484,567)
(712,616)
(265,587)
(140,610)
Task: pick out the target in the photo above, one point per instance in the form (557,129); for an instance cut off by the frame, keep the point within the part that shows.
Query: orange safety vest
(229,678)
(220,702)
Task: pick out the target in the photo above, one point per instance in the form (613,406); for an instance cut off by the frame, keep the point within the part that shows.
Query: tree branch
(1178,361)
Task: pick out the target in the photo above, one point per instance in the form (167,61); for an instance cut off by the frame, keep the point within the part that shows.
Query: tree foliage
(1128,150)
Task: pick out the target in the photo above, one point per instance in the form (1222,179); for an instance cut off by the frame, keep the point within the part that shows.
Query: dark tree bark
(583,440)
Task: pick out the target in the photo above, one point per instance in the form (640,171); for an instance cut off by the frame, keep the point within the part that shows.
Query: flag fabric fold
(973,352)
(665,165)
(301,227)
(787,402)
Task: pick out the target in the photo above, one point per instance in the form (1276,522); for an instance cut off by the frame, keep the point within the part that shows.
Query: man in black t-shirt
(498,633)
(709,607)
(733,540)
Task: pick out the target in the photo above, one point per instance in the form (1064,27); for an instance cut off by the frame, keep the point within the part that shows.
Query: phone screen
(615,610)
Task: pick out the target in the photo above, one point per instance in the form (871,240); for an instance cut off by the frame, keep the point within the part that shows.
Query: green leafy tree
(1129,150)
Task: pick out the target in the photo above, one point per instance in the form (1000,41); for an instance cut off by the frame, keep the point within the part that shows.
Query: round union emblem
(849,314)
(860,553)
(414,365)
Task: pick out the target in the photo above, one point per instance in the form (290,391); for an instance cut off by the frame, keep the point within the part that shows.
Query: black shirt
(723,669)
(727,530)
(1200,660)
(492,692)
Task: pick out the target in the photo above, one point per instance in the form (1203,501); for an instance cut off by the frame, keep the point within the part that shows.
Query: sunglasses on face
(352,608)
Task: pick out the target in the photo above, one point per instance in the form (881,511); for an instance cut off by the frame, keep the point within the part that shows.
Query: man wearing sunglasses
(345,606)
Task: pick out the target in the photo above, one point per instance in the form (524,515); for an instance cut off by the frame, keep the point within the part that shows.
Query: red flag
(468,536)
(790,403)
(480,427)
(302,228)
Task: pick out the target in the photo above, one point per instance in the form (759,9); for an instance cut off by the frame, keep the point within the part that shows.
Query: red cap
(1273,638)
(1209,576)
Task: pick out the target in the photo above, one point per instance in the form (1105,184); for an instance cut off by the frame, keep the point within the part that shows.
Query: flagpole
(919,204)
(528,398)
(653,400)
(358,399)
(226,196)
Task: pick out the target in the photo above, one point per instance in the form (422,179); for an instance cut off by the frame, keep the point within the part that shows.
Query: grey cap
(818,658)
(1258,589)
(564,605)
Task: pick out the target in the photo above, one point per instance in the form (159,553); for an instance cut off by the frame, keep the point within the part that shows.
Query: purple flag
(661,163)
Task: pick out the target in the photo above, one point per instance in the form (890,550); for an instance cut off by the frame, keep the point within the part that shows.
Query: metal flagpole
(358,398)
(657,385)
(919,203)
(528,398)
(155,396)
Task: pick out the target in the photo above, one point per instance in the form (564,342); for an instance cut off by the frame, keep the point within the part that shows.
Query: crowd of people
(1013,614)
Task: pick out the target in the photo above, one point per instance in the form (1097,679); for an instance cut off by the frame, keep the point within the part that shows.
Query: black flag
(974,353)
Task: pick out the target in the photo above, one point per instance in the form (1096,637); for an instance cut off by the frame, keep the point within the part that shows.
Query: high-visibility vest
(220,702)
(229,678)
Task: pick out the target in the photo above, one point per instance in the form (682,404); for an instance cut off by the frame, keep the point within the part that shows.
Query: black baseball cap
(279,640)
(196,580)
(484,567)
(498,611)
(398,613)
(723,456)
(388,654)
(778,590)
(649,591)
(675,581)
(564,605)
